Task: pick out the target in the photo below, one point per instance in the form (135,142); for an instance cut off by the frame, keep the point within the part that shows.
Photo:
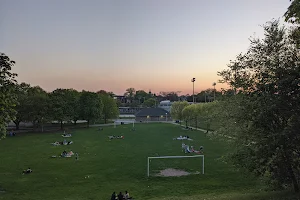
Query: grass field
(117,165)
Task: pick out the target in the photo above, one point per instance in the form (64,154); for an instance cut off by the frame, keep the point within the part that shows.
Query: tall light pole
(214,84)
(193,80)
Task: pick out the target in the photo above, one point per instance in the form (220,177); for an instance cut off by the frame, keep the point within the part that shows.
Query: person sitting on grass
(120,196)
(201,149)
(113,196)
(126,196)
(27,171)
(64,153)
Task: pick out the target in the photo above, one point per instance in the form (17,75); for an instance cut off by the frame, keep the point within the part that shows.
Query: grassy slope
(115,165)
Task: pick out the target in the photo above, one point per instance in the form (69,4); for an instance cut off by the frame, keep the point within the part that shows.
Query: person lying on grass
(62,143)
(67,135)
(67,154)
(27,171)
(183,138)
(115,137)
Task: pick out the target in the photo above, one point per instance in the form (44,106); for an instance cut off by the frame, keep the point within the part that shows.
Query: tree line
(21,102)
(141,98)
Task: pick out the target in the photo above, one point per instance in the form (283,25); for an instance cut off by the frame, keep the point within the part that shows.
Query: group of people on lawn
(120,196)
(65,142)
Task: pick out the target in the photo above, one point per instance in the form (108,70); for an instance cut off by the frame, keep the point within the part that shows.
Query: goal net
(175,165)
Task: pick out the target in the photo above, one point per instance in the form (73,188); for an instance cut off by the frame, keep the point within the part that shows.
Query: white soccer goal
(162,157)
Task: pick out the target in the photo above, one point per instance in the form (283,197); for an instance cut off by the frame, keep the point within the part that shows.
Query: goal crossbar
(160,157)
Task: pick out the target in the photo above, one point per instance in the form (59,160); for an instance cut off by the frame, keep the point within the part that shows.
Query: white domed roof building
(166,105)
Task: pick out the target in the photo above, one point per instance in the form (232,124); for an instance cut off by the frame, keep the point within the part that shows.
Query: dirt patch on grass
(172,172)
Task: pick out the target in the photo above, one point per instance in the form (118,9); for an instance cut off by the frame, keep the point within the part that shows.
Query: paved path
(130,121)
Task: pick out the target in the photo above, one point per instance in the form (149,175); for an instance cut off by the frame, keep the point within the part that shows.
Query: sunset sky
(117,44)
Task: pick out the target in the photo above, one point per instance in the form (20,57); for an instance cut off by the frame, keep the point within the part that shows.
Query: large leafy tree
(74,101)
(293,16)
(130,92)
(150,103)
(110,108)
(91,106)
(39,104)
(141,96)
(8,99)
(23,107)
(62,105)
(177,108)
(262,115)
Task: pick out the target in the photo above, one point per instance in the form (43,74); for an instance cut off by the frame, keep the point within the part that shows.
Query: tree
(111,94)
(261,116)
(141,96)
(130,92)
(172,96)
(177,108)
(188,114)
(293,16)
(91,106)
(61,105)
(23,107)
(207,112)
(73,99)
(150,103)
(8,99)
(39,106)
(110,108)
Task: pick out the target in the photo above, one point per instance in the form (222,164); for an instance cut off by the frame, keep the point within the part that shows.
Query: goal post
(167,157)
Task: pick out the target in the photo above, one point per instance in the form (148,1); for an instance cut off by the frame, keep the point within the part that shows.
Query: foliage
(141,96)
(130,92)
(40,105)
(73,97)
(8,99)
(110,108)
(177,108)
(23,108)
(292,15)
(262,116)
(172,96)
(91,106)
(61,106)
(150,103)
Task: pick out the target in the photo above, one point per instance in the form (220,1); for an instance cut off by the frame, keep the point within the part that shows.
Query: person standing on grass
(76,156)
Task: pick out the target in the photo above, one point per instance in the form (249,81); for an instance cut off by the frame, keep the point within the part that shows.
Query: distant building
(129,110)
(166,105)
(152,114)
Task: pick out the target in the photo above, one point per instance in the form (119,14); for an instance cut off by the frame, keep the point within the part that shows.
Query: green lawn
(116,165)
